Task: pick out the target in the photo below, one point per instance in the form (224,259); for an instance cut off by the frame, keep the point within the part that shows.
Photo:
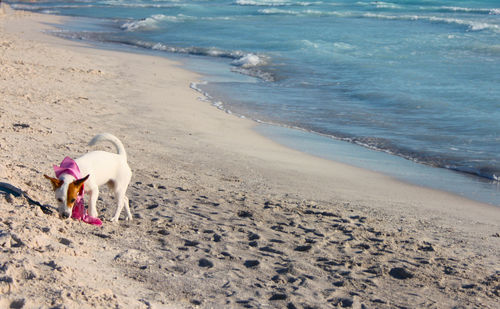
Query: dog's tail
(111,138)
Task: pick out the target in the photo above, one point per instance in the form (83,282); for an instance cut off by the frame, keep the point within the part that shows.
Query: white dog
(101,167)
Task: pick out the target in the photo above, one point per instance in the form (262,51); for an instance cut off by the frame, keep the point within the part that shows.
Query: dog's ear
(79,182)
(56,183)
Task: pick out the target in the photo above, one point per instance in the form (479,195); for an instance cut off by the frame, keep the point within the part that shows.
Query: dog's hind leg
(127,208)
(120,188)
(122,199)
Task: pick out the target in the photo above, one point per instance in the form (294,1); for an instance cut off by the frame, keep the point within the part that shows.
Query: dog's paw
(114,219)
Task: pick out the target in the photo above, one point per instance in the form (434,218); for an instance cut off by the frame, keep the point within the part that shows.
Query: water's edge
(462,184)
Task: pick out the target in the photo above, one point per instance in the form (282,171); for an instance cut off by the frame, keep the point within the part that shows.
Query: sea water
(415,79)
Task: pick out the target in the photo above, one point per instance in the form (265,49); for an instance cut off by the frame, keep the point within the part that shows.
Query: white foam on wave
(140,4)
(471,25)
(208,98)
(249,60)
(249,65)
(343,46)
(324,47)
(274,3)
(276,11)
(390,5)
(201,51)
(149,23)
(385,5)
(152,22)
(243,63)
(262,2)
(379,4)
(492,11)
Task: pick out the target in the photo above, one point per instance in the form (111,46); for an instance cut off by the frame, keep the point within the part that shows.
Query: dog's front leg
(93,194)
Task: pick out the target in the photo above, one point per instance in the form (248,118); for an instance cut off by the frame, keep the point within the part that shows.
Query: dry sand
(223,218)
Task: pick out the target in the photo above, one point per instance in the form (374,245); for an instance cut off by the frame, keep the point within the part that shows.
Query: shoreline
(468,186)
(465,185)
(220,176)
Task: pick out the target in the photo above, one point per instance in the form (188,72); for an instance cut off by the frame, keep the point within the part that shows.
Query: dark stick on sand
(8,188)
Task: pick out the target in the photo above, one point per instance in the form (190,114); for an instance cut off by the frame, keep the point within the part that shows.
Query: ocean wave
(379,5)
(251,64)
(198,51)
(239,58)
(488,11)
(152,22)
(327,48)
(250,60)
(453,9)
(385,5)
(148,5)
(471,25)
(274,3)
(255,72)
(149,23)
(244,63)
(128,4)
(276,11)
(262,2)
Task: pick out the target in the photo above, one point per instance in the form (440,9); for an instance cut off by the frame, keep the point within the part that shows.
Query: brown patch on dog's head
(73,190)
(56,183)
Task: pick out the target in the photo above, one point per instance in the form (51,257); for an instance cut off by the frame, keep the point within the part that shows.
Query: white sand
(223,216)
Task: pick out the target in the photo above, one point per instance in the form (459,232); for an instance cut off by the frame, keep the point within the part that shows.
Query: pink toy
(69,166)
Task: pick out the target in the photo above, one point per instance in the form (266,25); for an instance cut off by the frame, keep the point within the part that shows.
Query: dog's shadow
(7,188)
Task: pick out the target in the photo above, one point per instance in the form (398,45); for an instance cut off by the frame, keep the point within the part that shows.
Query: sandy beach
(223,217)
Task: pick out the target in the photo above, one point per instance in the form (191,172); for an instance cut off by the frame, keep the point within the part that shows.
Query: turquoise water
(416,79)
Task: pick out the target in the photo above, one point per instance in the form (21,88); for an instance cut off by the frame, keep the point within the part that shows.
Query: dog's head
(66,192)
